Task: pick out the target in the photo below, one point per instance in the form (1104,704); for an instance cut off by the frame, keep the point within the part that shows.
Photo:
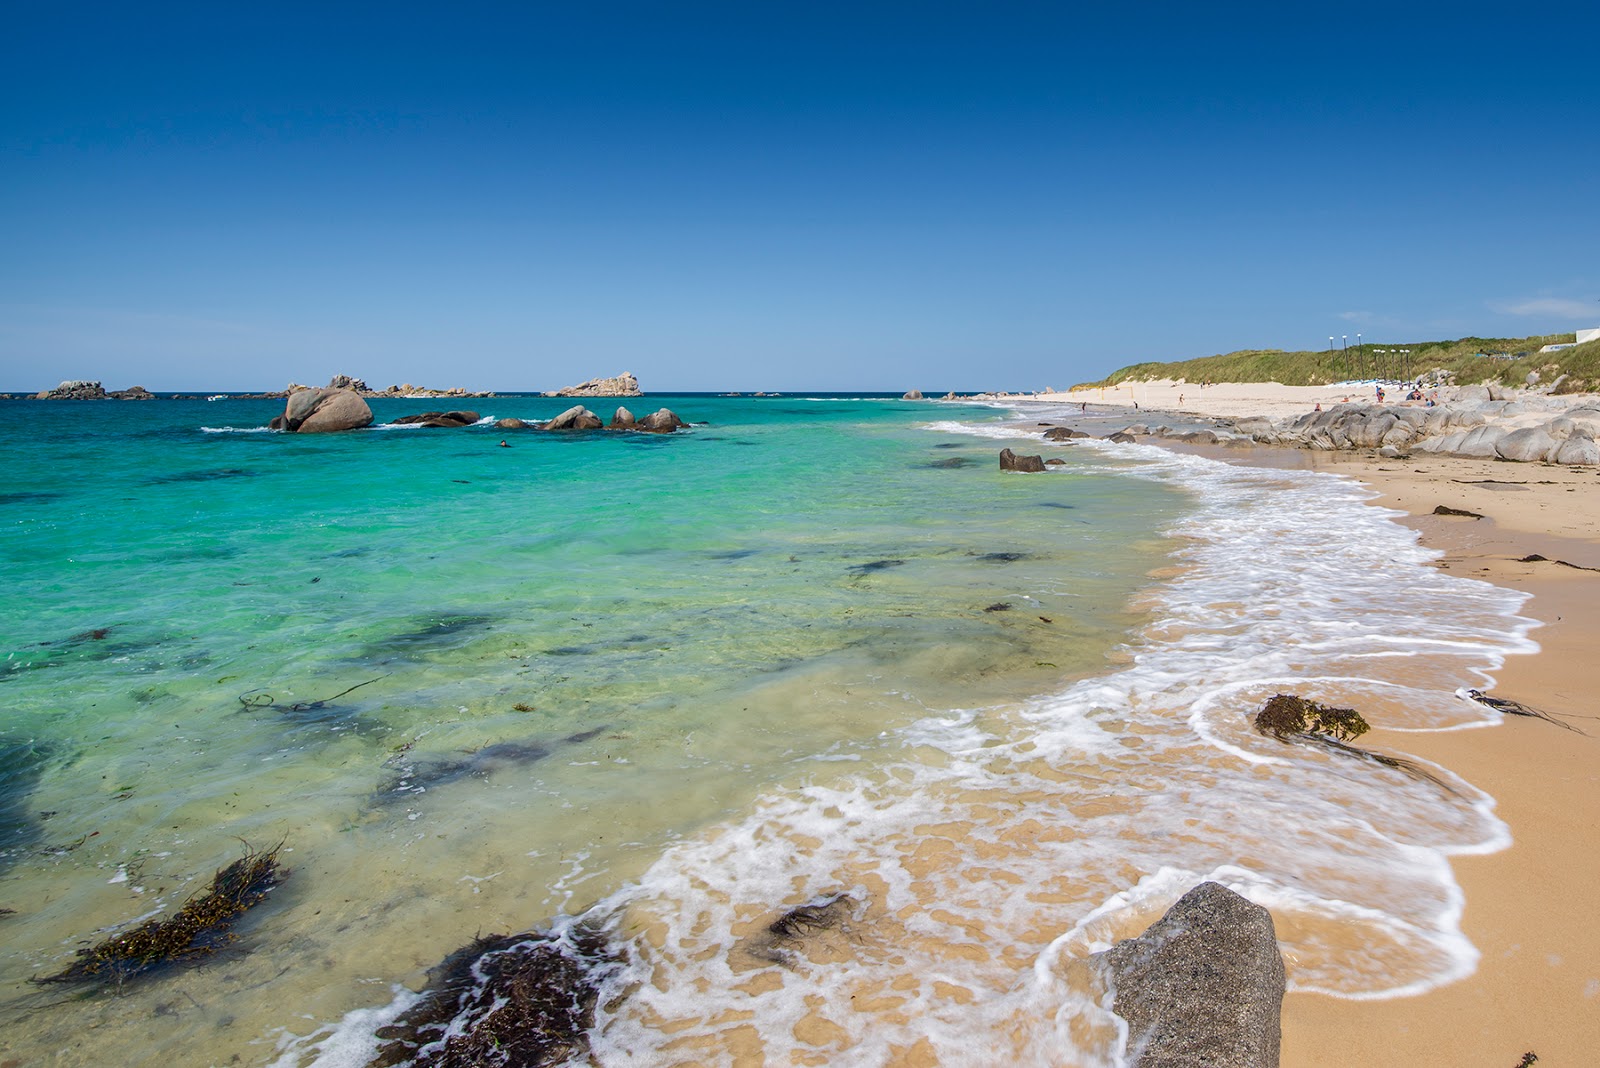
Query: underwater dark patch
(1002,558)
(29,497)
(584,736)
(950,464)
(949,445)
(213,475)
(875,565)
(440,632)
(22,764)
(415,777)
(733,554)
(1054,504)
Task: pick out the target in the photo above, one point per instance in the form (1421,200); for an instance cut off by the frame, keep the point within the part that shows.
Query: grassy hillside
(1469,357)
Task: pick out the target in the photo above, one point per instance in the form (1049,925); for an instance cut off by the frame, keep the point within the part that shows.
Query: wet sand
(1530,909)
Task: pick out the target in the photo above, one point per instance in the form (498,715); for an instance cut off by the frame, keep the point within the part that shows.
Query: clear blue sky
(779,195)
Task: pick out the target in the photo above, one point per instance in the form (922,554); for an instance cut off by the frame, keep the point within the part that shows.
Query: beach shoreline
(1529,907)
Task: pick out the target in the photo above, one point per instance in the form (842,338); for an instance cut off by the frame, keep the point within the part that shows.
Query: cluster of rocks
(661,421)
(78,389)
(623,385)
(360,388)
(1483,422)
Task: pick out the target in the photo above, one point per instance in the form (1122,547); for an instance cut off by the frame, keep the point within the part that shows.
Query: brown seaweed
(784,935)
(1517,708)
(1289,718)
(201,927)
(1285,716)
(523,1000)
(1446,510)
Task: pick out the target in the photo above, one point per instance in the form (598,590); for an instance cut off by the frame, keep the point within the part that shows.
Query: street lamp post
(1361,354)
(1344,347)
(1330,352)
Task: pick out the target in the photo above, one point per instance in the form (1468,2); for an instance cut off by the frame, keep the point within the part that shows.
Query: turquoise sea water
(681,683)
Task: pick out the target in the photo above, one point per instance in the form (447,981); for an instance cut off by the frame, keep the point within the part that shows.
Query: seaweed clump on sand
(1286,716)
(1294,719)
(523,1000)
(783,937)
(201,927)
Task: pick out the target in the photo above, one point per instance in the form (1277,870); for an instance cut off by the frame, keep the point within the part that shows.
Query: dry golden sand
(1533,910)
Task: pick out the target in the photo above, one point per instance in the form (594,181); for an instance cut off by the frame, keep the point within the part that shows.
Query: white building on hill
(1583,335)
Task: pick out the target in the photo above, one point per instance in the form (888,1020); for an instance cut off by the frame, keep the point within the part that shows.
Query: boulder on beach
(1122,437)
(623,385)
(576,417)
(1010,461)
(1063,433)
(1530,444)
(323,411)
(1202,986)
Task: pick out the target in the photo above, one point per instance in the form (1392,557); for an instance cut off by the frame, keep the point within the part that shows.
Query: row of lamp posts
(1385,363)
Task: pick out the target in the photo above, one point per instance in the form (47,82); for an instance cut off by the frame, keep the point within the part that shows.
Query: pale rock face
(1526,445)
(623,385)
(1578,449)
(341,409)
(1480,442)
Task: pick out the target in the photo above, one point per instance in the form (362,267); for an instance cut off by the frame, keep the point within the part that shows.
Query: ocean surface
(813,650)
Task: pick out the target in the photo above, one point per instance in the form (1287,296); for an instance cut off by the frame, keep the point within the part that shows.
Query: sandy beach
(1530,908)
(1223,400)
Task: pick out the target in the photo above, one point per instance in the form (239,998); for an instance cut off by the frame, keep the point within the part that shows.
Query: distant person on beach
(1318,408)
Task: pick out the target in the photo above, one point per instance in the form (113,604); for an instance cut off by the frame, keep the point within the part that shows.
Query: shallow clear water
(681,683)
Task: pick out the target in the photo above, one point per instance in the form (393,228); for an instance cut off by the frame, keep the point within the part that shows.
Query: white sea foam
(988,849)
(239,430)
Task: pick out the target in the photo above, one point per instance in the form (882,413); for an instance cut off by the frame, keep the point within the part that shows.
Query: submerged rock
(440,419)
(1203,986)
(1063,433)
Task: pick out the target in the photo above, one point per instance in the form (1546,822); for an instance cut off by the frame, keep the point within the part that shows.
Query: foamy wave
(991,850)
(239,430)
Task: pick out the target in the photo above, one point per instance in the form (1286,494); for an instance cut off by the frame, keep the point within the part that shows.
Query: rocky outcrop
(1010,461)
(1203,986)
(346,382)
(576,417)
(511,424)
(1122,437)
(323,411)
(439,419)
(623,419)
(81,389)
(1484,422)
(1062,433)
(915,394)
(624,385)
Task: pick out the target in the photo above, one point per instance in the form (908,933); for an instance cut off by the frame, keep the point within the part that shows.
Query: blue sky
(779,196)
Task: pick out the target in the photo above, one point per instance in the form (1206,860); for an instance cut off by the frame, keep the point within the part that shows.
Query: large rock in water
(915,394)
(323,411)
(1203,986)
(1010,461)
(661,421)
(576,417)
(622,419)
(624,385)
